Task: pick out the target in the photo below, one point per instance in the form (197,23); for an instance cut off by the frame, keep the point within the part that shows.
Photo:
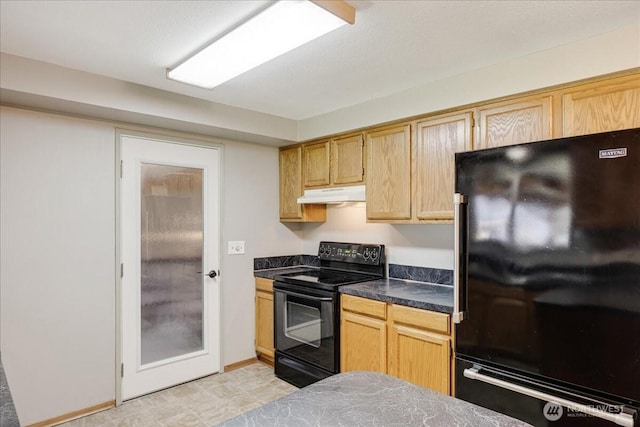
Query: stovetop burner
(340,264)
(324,277)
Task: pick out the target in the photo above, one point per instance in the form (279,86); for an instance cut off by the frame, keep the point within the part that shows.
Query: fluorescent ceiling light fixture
(280,28)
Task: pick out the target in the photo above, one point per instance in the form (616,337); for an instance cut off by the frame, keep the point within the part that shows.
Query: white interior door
(170,306)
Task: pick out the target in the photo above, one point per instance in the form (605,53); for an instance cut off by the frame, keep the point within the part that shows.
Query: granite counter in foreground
(369,399)
(8,416)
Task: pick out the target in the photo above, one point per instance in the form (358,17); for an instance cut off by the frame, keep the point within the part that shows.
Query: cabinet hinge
(122,370)
(121,167)
(121,270)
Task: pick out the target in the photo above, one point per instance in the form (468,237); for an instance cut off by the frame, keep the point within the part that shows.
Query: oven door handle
(311,297)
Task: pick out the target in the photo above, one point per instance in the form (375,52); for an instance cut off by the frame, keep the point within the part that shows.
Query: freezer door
(553,274)
(537,403)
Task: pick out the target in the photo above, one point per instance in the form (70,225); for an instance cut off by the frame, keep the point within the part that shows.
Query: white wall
(251,213)
(615,51)
(47,86)
(57,254)
(407,244)
(57,287)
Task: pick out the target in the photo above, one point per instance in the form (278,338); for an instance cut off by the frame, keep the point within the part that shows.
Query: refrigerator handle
(460,239)
(621,419)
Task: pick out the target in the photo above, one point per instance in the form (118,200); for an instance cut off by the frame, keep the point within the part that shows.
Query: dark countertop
(369,399)
(8,416)
(427,296)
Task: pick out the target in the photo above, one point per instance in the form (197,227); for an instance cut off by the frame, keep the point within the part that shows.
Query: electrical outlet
(236,247)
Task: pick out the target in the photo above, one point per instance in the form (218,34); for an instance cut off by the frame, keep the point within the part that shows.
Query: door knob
(211,274)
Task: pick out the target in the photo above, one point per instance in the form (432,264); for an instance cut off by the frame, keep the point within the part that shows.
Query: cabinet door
(420,357)
(363,343)
(602,106)
(515,122)
(437,141)
(420,347)
(346,160)
(264,318)
(389,174)
(291,189)
(264,324)
(290,182)
(316,164)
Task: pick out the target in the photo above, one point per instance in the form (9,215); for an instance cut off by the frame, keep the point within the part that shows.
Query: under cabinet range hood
(355,193)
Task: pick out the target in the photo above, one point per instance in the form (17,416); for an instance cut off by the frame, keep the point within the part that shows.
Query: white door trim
(119,134)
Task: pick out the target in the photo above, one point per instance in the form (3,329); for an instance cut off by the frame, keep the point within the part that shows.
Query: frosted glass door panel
(171,251)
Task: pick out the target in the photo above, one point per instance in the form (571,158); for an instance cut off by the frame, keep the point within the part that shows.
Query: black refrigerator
(547,280)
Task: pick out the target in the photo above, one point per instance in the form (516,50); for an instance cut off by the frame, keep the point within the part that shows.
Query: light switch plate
(236,247)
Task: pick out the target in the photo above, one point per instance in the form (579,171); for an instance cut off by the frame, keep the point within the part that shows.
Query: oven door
(305,325)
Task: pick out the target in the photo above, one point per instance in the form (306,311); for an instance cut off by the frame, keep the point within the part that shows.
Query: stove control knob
(366,254)
(374,255)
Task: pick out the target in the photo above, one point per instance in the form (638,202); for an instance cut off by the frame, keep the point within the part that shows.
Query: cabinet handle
(460,239)
(305,296)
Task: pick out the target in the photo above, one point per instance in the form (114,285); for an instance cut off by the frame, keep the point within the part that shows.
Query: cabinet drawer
(366,306)
(263,284)
(431,320)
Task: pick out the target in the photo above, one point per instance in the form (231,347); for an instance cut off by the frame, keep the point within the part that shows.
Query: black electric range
(307,310)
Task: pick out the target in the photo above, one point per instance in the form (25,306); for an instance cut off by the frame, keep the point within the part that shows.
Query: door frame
(174,139)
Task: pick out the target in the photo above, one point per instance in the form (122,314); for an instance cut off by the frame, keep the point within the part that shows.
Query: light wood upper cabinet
(264,319)
(437,141)
(602,106)
(515,122)
(291,189)
(290,182)
(347,160)
(334,162)
(389,173)
(316,164)
(409,168)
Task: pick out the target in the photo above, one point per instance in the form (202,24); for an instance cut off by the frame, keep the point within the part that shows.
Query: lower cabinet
(419,347)
(264,320)
(363,335)
(405,342)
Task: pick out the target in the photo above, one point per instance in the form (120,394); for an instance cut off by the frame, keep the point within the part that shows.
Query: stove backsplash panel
(396,271)
(421,274)
(285,261)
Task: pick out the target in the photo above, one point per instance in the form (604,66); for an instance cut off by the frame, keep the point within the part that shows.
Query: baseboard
(240,364)
(75,414)
(266,360)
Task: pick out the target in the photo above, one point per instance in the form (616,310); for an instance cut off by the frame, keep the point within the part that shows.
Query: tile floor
(203,402)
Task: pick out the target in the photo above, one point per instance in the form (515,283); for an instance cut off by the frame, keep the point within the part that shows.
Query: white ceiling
(393,46)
